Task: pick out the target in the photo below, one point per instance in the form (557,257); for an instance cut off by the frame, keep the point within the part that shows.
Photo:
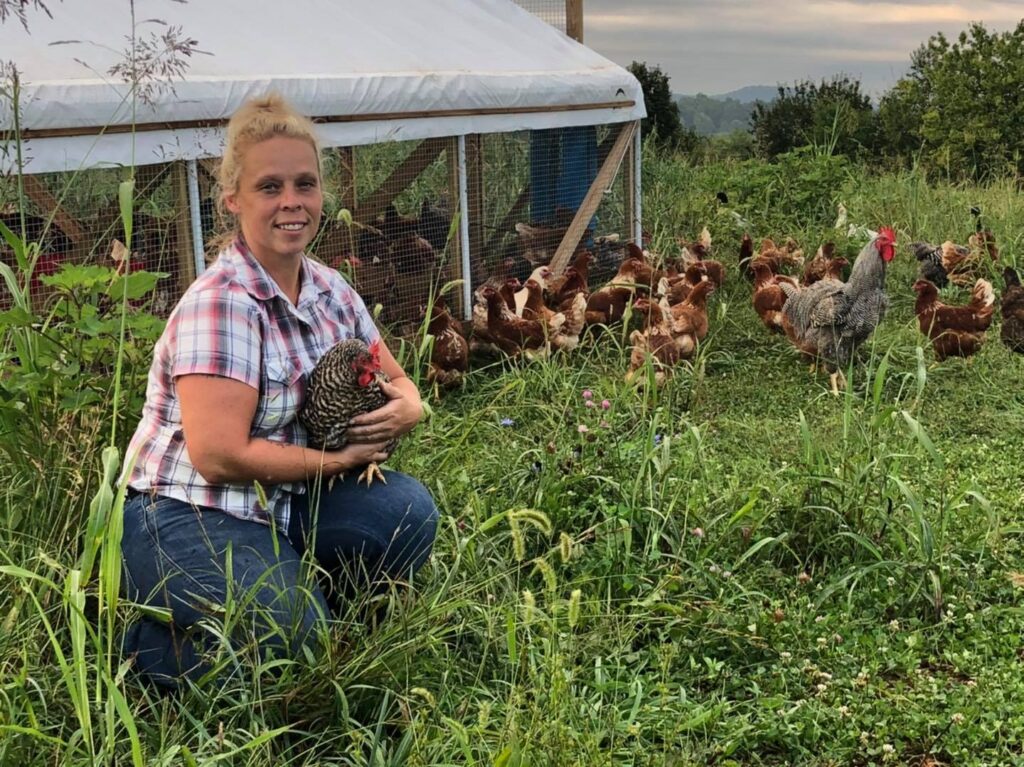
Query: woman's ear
(231,203)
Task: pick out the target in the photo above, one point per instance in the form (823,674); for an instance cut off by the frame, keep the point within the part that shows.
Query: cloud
(718,45)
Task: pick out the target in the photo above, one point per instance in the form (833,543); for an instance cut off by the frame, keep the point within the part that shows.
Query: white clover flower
(844,711)
(957,718)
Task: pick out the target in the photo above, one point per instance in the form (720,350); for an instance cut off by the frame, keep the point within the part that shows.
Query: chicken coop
(464,140)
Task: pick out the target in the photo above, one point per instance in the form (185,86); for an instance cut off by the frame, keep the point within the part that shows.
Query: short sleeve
(365,328)
(217,332)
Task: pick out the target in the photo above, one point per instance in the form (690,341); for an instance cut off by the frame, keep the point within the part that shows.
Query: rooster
(344,384)
(954,330)
(1012,331)
(830,319)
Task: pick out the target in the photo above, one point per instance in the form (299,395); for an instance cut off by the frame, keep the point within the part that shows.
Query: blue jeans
(220,576)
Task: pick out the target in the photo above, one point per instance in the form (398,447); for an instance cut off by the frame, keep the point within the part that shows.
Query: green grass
(736,569)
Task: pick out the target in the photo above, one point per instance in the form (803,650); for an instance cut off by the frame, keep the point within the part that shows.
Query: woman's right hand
(353,456)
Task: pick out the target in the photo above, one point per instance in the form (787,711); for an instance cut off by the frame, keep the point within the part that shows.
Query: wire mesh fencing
(401,220)
(551,11)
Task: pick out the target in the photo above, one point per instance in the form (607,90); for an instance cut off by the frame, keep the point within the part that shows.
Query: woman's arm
(216,415)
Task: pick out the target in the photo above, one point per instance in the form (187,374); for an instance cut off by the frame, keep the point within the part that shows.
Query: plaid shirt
(235,322)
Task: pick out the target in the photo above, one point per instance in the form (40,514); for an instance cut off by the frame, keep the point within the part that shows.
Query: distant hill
(750,93)
(722,113)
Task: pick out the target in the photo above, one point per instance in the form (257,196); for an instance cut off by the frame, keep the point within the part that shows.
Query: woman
(224,497)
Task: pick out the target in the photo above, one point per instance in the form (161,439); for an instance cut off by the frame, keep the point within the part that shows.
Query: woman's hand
(353,456)
(397,417)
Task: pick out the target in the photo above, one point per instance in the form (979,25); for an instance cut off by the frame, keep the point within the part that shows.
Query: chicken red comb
(888,232)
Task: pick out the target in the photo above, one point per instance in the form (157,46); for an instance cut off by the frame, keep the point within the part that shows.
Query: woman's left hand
(394,419)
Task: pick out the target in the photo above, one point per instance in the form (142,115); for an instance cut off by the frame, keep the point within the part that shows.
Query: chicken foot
(371,472)
(838,381)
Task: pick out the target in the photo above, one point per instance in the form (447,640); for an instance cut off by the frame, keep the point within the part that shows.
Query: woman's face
(279,200)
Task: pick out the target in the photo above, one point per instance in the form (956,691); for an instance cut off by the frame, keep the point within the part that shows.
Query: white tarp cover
(489,64)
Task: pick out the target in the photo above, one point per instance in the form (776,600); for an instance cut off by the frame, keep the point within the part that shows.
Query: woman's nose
(290,198)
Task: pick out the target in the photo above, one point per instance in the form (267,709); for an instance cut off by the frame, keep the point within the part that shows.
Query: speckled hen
(344,384)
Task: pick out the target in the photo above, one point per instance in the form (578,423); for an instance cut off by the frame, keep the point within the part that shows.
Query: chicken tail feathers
(983,296)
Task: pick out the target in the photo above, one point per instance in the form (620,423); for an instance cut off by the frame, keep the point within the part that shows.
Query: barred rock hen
(831,319)
(955,331)
(1012,331)
(344,384)
(931,268)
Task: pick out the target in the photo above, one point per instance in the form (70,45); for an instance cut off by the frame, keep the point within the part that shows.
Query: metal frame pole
(195,216)
(467,280)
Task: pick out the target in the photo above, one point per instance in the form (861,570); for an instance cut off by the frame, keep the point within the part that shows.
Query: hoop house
(468,111)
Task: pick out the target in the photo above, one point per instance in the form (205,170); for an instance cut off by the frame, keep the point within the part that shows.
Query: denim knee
(414,537)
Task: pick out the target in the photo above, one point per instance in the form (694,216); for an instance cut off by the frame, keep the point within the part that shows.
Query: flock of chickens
(825,317)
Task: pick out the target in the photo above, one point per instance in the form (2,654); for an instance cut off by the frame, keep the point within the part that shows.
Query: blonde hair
(258,119)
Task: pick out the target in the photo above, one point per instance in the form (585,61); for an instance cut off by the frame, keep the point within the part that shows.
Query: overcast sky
(715,46)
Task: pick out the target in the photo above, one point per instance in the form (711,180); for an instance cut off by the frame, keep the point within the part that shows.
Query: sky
(716,46)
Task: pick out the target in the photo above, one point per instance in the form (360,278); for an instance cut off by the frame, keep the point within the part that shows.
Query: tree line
(958,111)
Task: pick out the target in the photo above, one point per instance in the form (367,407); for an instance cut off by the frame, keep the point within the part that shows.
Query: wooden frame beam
(518,209)
(183,229)
(347,172)
(592,200)
(421,157)
(574,19)
(41,196)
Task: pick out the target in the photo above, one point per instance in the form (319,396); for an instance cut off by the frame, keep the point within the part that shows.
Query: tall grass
(737,568)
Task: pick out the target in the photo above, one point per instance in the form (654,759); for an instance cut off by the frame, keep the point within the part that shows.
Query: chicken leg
(371,471)
(838,381)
